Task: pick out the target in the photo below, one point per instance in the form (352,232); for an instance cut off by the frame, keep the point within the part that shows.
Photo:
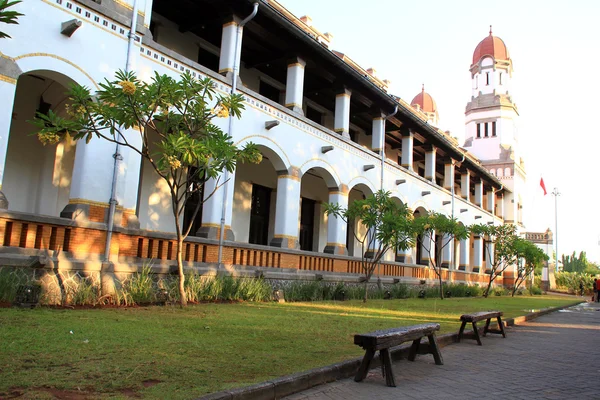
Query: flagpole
(556,193)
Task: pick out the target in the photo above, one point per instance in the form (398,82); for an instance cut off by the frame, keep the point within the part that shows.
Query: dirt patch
(150,382)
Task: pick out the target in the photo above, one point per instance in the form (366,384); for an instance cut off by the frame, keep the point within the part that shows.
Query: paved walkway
(556,356)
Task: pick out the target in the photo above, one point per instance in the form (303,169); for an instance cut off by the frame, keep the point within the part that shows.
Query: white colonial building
(320,120)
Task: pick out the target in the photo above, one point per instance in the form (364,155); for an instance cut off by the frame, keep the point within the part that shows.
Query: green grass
(206,347)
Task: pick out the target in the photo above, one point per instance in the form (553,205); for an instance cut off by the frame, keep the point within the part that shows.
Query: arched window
(507,172)
(499,173)
(493,171)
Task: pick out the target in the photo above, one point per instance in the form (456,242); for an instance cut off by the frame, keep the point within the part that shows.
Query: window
(500,78)
(486,130)
(494,129)
(478,131)
(269,91)
(487,78)
(314,115)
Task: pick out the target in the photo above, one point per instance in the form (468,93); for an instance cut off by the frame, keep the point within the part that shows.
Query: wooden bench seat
(480,316)
(385,339)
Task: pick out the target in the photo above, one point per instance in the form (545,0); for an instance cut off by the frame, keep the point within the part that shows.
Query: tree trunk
(486,293)
(366,290)
(441,287)
(183,299)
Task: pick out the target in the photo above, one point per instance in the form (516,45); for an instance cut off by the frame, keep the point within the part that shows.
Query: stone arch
(37,178)
(397,195)
(325,170)
(55,67)
(361,180)
(269,148)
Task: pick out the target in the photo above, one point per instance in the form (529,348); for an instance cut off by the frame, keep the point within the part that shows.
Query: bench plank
(480,316)
(383,340)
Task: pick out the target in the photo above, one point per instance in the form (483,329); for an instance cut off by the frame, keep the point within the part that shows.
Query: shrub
(82,292)
(139,289)
(535,290)
(499,291)
(10,279)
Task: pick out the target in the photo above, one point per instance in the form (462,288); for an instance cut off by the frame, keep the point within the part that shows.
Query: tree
(8,17)
(190,148)
(574,263)
(503,253)
(388,227)
(438,232)
(531,255)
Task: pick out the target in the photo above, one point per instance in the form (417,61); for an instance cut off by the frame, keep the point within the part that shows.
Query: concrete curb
(287,385)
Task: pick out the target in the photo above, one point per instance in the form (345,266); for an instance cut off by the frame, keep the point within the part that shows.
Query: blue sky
(555,48)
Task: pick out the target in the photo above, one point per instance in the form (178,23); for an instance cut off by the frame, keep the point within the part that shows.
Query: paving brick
(552,357)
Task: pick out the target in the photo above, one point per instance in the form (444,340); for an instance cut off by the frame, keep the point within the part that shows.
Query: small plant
(499,291)
(10,279)
(83,292)
(535,291)
(139,289)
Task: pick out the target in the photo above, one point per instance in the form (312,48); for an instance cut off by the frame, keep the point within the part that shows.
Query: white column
(430,156)
(477,253)
(377,137)
(128,182)
(449,175)
(8,87)
(447,251)
(287,209)
(91,182)
(479,193)
(212,209)
(228,48)
(465,254)
(427,249)
(337,227)
(294,87)
(465,185)
(491,200)
(489,259)
(500,209)
(341,123)
(407,150)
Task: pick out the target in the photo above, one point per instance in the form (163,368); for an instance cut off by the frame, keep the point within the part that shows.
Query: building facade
(327,128)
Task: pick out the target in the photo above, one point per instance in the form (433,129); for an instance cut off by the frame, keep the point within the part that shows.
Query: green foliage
(531,257)
(141,287)
(571,281)
(535,291)
(7,16)
(499,291)
(439,231)
(388,223)
(579,264)
(190,148)
(83,292)
(502,238)
(10,279)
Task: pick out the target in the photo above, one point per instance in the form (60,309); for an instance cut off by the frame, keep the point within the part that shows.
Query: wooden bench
(480,316)
(384,339)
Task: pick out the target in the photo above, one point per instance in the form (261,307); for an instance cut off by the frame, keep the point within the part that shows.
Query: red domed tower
(424,103)
(491,132)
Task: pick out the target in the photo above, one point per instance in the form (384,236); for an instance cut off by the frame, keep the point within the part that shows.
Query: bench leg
(462,329)
(364,366)
(487,326)
(386,362)
(476,333)
(501,326)
(414,348)
(435,350)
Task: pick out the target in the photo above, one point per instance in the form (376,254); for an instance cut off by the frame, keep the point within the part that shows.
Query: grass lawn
(168,352)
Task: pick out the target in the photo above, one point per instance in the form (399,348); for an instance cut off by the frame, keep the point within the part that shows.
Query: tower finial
(422,87)
(490,30)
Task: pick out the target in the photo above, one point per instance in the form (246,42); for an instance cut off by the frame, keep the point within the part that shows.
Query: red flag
(543,186)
